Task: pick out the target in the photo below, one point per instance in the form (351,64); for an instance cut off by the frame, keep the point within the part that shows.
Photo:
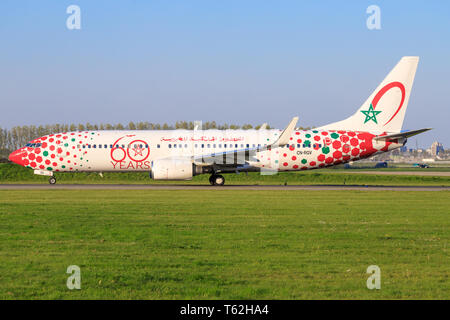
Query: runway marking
(207,187)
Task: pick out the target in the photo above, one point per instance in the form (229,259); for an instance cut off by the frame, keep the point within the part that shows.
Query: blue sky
(228,61)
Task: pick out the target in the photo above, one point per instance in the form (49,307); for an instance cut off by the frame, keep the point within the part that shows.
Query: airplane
(376,127)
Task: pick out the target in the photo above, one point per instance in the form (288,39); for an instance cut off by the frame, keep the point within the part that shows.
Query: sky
(233,61)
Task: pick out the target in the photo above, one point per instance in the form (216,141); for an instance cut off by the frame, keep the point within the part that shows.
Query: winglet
(286,134)
(263,126)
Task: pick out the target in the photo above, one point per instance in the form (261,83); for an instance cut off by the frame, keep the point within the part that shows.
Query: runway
(216,188)
(405,173)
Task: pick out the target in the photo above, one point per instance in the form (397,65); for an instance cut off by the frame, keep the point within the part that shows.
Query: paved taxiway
(405,173)
(208,187)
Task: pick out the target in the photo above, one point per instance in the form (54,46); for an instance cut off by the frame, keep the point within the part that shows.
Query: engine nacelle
(172,169)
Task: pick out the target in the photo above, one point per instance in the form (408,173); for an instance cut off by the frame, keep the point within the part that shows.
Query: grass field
(224,244)
(10,173)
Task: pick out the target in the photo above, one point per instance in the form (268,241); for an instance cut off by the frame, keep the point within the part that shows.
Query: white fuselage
(104,151)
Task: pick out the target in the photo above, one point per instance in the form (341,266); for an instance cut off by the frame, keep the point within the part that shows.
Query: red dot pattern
(328,148)
(53,153)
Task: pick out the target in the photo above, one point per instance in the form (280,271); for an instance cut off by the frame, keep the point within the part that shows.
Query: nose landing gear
(52,180)
(216,180)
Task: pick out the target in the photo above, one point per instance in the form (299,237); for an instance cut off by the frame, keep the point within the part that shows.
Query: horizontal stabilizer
(401,135)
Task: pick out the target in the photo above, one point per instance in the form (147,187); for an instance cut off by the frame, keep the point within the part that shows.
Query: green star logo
(371,114)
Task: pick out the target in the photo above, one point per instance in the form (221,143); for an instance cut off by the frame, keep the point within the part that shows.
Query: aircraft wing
(228,158)
(243,156)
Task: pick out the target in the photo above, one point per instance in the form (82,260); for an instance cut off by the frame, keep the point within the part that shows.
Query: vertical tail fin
(385,108)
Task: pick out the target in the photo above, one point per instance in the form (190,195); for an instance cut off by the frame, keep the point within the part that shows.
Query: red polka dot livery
(114,151)
(336,144)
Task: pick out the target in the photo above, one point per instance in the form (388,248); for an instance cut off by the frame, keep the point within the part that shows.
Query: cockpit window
(33,145)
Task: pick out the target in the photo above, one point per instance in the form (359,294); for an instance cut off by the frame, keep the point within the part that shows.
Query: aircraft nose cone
(18,157)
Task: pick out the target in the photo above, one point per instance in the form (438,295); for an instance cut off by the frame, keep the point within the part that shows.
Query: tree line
(16,137)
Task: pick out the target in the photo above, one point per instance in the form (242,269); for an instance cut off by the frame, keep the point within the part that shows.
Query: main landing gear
(217,180)
(52,180)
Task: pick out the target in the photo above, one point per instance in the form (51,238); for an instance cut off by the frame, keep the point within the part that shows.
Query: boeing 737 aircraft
(181,154)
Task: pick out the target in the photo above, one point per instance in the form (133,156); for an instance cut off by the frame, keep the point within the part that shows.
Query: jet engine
(172,169)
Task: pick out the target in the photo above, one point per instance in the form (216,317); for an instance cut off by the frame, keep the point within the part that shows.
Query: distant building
(436,148)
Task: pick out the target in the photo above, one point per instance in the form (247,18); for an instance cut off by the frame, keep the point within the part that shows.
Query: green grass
(10,173)
(224,244)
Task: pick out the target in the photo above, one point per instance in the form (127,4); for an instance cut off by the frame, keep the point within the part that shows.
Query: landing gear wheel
(218,180)
(52,180)
(211,180)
